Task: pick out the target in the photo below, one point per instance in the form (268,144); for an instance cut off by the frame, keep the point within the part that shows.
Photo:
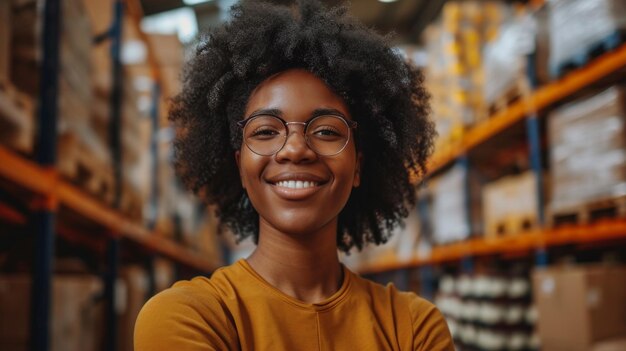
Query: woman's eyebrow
(327,111)
(268,111)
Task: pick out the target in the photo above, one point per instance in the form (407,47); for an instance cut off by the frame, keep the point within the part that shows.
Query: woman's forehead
(296,93)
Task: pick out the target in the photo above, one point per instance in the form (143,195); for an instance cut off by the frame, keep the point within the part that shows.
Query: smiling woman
(302,131)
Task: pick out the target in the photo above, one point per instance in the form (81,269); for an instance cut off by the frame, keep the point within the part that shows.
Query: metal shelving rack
(47,193)
(535,241)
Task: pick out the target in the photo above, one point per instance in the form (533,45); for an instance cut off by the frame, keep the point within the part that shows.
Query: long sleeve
(176,319)
(430,330)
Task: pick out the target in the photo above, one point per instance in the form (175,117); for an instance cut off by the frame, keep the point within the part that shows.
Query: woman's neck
(303,266)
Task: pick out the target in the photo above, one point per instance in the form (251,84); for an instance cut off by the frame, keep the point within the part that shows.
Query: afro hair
(383,92)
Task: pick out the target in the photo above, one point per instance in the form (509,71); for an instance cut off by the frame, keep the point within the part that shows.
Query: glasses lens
(264,135)
(328,135)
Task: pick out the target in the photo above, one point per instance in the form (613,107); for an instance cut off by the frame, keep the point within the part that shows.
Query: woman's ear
(357,170)
(238,161)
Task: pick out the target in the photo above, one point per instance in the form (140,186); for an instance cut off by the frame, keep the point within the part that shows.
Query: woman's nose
(296,149)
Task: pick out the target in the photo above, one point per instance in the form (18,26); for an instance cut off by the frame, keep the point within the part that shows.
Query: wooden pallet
(586,54)
(511,225)
(589,212)
(131,204)
(76,163)
(17,127)
(516,91)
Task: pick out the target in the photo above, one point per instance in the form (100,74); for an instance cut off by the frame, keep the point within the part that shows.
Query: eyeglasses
(326,135)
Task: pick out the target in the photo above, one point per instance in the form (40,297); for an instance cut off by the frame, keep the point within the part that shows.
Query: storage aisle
(518,234)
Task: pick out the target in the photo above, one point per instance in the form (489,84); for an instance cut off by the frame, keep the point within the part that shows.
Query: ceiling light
(195,2)
(387,1)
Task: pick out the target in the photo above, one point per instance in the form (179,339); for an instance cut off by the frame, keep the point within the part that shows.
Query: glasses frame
(351,125)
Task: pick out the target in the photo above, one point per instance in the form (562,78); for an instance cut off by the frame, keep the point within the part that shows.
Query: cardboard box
(77,315)
(5,40)
(580,306)
(588,131)
(137,286)
(510,205)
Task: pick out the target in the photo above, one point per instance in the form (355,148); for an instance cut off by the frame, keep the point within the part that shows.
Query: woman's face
(295,96)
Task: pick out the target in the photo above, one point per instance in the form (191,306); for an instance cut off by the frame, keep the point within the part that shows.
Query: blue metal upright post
(113,251)
(154,149)
(464,162)
(534,140)
(44,217)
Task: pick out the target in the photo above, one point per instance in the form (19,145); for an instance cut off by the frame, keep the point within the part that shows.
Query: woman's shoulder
(191,308)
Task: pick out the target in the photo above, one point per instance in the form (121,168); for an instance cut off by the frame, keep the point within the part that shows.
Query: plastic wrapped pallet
(505,57)
(77,315)
(401,246)
(510,204)
(588,153)
(576,26)
(450,220)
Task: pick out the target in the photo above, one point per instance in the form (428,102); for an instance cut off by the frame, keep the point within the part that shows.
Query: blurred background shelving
(521,217)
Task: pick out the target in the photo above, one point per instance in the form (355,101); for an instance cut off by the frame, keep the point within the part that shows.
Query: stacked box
(588,152)
(577,27)
(5,41)
(510,205)
(77,315)
(581,306)
(450,221)
(83,157)
(137,286)
(505,59)
(454,72)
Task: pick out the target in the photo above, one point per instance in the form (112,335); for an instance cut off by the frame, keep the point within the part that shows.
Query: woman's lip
(295,194)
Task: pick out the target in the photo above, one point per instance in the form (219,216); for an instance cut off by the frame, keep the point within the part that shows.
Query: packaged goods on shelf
(580,306)
(505,61)
(17,120)
(5,41)
(85,158)
(454,72)
(451,221)
(578,28)
(169,53)
(510,205)
(205,239)
(77,316)
(137,287)
(484,313)
(588,153)
(401,246)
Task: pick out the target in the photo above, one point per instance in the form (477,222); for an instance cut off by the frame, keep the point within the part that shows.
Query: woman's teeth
(296,184)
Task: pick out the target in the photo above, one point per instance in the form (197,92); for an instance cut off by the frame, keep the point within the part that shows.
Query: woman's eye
(264,132)
(326,132)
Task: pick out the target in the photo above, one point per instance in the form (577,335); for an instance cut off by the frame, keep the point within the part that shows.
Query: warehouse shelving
(59,207)
(543,97)
(512,244)
(47,183)
(538,240)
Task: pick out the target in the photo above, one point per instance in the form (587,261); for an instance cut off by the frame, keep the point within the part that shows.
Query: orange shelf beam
(602,231)
(46,183)
(540,99)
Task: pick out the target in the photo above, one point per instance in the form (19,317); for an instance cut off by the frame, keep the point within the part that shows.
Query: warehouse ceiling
(406,18)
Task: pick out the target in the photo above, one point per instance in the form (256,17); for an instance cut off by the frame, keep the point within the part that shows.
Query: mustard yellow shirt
(236,309)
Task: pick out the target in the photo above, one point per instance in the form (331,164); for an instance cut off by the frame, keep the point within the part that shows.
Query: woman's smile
(296,186)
